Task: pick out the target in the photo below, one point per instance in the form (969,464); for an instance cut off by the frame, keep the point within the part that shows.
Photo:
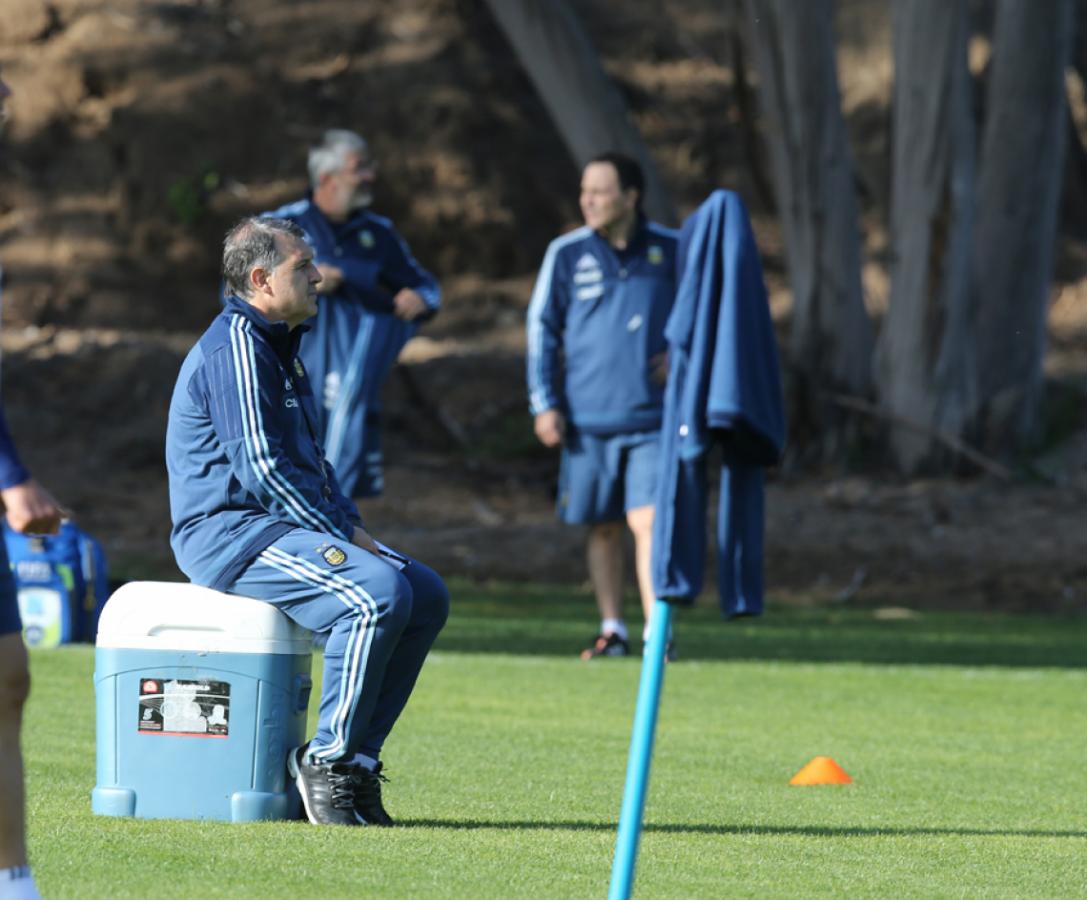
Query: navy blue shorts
(9,599)
(605,476)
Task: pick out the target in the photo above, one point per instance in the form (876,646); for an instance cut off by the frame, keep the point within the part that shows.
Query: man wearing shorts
(596,369)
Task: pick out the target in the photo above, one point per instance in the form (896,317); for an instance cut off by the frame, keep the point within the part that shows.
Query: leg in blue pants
(380,622)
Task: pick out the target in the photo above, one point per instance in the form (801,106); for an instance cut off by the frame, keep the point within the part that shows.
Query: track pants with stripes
(380,618)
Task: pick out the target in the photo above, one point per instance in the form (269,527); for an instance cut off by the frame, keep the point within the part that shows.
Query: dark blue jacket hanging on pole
(724,388)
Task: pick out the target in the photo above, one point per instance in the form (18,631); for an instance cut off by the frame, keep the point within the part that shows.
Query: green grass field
(965,736)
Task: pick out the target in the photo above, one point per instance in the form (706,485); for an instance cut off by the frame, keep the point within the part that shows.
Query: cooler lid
(158,615)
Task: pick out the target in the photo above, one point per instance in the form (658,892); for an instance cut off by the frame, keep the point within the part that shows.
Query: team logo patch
(334,556)
(655,255)
(366,239)
(298,370)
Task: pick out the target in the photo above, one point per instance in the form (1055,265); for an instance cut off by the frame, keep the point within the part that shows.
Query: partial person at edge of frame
(30,510)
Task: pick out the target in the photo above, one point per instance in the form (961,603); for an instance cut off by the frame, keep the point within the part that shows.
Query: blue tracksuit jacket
(242,449)
(724,387)
(354,339)
(12,471)
(11,474)
(596,317)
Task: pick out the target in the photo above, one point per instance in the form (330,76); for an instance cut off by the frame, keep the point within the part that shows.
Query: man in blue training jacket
(597,363)
(257,511)
(373,295)
(30,510)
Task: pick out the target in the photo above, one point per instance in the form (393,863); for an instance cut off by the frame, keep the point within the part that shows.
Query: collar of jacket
(283,338)
(639,237)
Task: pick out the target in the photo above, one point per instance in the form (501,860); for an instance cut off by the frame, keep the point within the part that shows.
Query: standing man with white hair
(373,295)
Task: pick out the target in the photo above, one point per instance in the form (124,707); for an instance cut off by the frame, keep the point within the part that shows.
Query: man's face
(353,183)
(603,202)
(292,285)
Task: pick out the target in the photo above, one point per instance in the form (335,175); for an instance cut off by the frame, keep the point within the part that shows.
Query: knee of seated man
(431,594)
(438,599)
(394,595)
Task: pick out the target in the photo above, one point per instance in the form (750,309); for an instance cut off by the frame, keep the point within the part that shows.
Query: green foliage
(508,437)
(188,197)
(1062,413)
(507,768)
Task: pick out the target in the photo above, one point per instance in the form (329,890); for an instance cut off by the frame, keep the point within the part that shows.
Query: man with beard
(373,295)
(31,510)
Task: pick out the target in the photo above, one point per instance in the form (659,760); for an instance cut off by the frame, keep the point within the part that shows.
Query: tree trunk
(831,335)
(585,106)
(925,364)
(1019,194)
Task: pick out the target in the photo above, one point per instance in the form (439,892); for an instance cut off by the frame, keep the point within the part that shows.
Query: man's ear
(258,279)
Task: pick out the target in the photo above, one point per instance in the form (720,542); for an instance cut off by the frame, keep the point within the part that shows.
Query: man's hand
(408,305)
(31,509)
(331,278)
(550,427)
(360,538)
(658,368)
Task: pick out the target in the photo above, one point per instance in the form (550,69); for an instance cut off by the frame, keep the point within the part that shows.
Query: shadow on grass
(704,828)
(540,620)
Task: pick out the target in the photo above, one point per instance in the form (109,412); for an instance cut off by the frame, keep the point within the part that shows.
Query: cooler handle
(303,684)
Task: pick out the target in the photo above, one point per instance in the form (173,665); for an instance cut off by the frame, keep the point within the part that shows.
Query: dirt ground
(140,130)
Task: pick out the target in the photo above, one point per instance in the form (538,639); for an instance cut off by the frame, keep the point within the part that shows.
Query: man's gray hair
(331,154)
(251,244)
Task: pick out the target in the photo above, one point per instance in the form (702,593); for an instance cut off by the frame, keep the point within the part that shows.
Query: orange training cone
(821,770)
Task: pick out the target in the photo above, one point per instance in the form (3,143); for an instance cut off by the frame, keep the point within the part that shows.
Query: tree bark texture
(925,361)
(831,335)
(1023,144)
(584,104)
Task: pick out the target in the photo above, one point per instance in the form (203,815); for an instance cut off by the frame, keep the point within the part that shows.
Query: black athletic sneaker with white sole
(606,645)
(367,795)
(327,789)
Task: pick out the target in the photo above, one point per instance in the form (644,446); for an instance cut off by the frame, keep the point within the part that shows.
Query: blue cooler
(200,695)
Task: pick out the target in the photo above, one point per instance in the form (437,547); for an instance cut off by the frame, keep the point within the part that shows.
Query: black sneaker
(606,645)
(367,797)
(327,789)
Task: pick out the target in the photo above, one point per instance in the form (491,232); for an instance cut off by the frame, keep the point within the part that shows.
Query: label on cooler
(184,708)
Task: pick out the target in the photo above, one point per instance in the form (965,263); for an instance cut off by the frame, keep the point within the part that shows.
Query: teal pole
(641,753)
